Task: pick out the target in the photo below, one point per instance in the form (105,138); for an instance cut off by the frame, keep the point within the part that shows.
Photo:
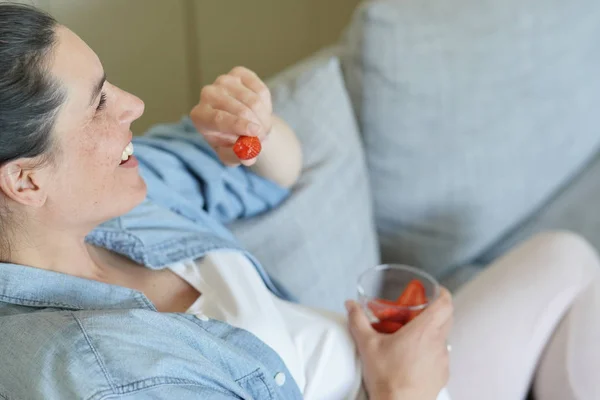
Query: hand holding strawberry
(235,115)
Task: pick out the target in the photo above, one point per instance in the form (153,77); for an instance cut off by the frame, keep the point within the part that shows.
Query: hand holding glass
(392,295)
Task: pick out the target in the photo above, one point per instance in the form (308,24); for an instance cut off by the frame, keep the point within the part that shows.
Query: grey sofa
(437,134)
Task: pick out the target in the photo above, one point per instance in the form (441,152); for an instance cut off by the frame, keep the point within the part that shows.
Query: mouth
(127,154)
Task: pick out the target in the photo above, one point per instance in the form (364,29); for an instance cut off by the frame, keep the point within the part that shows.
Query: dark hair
(29,97)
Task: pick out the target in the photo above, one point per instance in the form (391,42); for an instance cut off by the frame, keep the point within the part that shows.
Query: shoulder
(89,354)
(40,349)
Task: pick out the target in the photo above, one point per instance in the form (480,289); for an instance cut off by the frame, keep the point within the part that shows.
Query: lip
(132,162)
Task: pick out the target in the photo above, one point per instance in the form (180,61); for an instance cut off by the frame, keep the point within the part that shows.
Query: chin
(140,190)
(132,198)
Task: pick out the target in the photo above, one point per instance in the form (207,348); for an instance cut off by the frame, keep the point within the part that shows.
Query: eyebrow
(98,89)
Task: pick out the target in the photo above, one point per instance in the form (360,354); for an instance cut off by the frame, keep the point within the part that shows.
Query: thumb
(358,323)
(227,156)
(439,313)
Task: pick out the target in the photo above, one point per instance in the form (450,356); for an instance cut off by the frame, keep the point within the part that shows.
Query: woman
(117,269)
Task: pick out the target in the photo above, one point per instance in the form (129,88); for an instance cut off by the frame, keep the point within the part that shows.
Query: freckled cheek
(100,149)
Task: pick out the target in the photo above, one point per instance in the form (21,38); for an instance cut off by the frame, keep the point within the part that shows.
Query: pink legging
(532,318)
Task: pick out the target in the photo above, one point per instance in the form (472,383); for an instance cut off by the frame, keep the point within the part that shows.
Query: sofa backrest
(473,114)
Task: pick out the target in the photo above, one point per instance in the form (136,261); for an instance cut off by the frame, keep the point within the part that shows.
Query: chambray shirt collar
(34,287)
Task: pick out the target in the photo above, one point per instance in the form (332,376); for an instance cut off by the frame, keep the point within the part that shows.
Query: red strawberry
(388,310)
(414,295)
(247,147)
(386,326)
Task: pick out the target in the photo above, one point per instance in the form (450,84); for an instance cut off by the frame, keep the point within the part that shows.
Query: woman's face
(90,184)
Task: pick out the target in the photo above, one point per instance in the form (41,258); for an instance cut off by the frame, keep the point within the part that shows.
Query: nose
(133,108)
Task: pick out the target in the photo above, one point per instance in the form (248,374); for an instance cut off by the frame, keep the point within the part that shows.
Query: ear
(22,181)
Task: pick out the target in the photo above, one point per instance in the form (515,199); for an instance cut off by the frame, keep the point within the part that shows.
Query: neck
(58,250)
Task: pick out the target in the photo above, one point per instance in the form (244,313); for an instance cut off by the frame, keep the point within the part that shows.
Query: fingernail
(253,128)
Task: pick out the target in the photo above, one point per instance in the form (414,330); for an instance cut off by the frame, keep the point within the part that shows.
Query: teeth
(127,152)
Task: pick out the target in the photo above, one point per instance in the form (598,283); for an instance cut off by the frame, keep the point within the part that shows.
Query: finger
(250,162)
(220,97)
(254,83)
(358,323)
(439,313)
(445,315)
(251,103)
(206,118)
(447,326)
(229,158)
(218,139)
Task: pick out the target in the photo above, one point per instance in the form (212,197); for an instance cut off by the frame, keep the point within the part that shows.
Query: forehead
(77,69)
(76,66)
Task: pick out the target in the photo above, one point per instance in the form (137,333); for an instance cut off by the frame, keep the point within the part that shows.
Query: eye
(102,102)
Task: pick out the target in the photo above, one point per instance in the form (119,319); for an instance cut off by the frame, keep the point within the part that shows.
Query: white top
(315,345)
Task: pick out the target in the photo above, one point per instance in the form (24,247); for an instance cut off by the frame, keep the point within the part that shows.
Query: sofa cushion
(323,236)
(473,113)
(574,208)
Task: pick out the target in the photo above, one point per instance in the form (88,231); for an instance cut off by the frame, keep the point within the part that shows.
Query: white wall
(165,50)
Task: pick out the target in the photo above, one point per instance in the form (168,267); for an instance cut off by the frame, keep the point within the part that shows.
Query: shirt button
(280,379)
(202,317)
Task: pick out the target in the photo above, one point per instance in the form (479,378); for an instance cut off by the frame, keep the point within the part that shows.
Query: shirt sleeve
(179,166)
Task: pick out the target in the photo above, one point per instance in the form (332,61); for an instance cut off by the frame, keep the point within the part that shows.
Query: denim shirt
(64,337)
